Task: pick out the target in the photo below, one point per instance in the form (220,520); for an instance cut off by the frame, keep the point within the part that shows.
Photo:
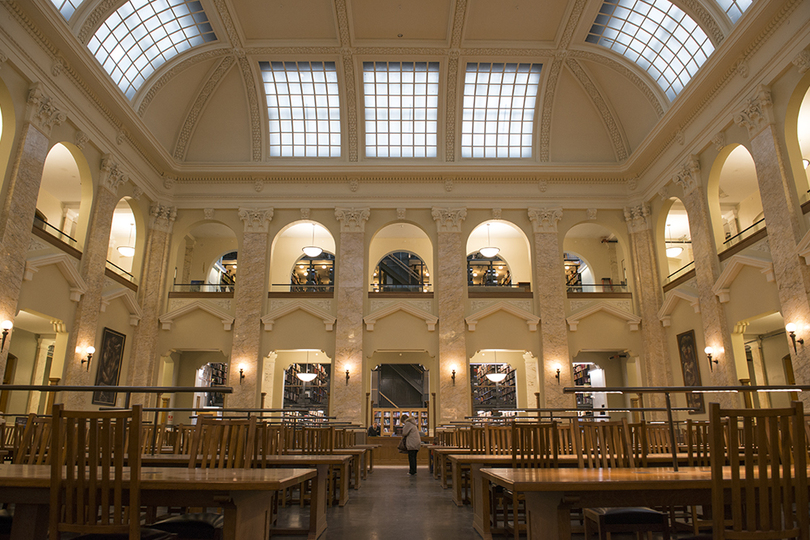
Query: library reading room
(404,269)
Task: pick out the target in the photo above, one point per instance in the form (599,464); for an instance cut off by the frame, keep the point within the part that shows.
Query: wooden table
(241,493)
(370,455)
(319,462)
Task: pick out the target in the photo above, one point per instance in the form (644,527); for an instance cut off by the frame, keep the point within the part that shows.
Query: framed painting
(108,370)
(689,366)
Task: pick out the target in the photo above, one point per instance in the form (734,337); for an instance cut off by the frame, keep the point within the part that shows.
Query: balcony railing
(415,288)
(202,288)
(598,288)
(303,288)
(56,233)
(114,268)
(688,267)
(743,234)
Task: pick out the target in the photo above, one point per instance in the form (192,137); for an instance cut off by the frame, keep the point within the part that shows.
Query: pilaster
(550,301)
(346,396)
(450,288)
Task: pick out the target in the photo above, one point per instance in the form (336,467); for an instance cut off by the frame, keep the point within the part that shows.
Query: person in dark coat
(410,433)
(374,430)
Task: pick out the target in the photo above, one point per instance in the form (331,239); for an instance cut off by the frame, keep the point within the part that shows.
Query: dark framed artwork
(109,365)
(689,366)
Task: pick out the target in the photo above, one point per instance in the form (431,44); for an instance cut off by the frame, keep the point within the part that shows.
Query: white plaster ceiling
(738,178)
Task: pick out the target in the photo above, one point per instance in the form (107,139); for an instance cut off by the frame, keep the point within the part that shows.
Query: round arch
(602,249)
(287,247)
(733,194)
(512,242)
(400,236)
(672,231)
(201,244)
(797,135)
(8,125)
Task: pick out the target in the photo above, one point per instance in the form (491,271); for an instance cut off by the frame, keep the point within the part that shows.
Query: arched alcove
(677,240)
(734,200)
(402,238)
(203,247)
(123,238)
(287,252)
(604,254)
(797,136)
(513,250)
(7,128)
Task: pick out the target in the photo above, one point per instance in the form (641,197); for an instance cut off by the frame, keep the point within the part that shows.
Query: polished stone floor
(391,505)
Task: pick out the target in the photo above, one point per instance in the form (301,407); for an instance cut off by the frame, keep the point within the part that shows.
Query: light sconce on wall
(89,350)
(559,368)
(7,325)
(791,328)
(453,376)
(709,352)
(241,373)
(347,377)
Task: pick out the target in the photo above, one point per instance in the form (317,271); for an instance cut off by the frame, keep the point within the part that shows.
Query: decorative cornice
(757,112)
(453,70)
(590,213)
(99,14)
(688,177)
(253,106)
(544,220)
(542,183)
(548,109)
(449,220)
(637,218)
(352,219)
(227,22)
(3,57)
(572,23)
(111,175)
(707,22)
(617,138)
(349,88)
(161,217)
(42,110)
(256,220)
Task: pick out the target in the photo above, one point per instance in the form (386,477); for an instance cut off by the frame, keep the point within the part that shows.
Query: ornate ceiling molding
(704,19)
(347,60)
(440,181)
(572,23)
(544,137)
(96,17)
(615,132)
(453,67)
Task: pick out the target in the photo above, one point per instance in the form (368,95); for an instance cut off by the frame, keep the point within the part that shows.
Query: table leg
(247,516)
(371,460)
(481,510)
(458,495)
(344,484)
(357,464)
(364,465)
(443,465)
(547,517)
(317,509)
(30,522)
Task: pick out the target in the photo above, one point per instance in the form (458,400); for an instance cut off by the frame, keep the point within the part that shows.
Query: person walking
(410,434)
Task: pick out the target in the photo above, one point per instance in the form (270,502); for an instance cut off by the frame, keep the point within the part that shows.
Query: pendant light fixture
(312,250)
(307,376)
(672,251)
(496,377)
(489,251)
(128,250)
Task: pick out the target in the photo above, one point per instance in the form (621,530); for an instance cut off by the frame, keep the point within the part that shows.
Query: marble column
(17,215)
(346,397)
(450,286)
(250,298)
(531,374)
(716,331)
(269,378)
(784,220)
(45,347)
(144,355)
(550,295)
(649,295)
(94,261)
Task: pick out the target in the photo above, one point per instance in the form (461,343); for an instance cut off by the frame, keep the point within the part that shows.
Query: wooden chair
(87,493)
(35,443)
(768,473)
(320,441)
(606,444)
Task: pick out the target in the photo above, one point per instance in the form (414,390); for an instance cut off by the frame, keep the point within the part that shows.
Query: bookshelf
(488,395)
(314,394)
(582,377)
(389,419)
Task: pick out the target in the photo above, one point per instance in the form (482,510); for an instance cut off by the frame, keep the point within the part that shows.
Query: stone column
(532,382)
(250,298)
(716,332)
(268,379)
(93,264)
(346,397)
(38,375)
(615,277)
(455,401)
(151,296)
(550,294)
(783,217)
(649,296)
(17,214)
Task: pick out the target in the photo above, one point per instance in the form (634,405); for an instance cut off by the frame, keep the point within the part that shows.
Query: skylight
(67,7)
(499,104)
(303,108)
(734,8)
(401,107)
(143,34)
(657,36)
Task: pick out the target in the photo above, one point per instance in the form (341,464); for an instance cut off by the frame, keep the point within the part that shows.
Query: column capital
(802,61)
(257,220)
(637,217)
(449,219)
(161,217)
(352,219)
(111,175)
(544,220)
(688,177)
(757,112)
(42,110)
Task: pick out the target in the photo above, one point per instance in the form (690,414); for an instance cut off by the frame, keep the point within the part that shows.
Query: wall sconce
(241,373)
(791,328)
(7,325)
(453,376)
(558,367)
(709,352)
(89,350)
(347,377)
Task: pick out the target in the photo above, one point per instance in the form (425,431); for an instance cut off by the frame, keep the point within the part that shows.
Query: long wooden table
(241,493)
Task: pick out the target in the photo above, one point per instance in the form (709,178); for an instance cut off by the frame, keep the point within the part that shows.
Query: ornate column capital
(111,175)
(449,219)
(544,220)
(256,220)
(352,219)
(688,177)
(802,61)
(637,217)
(161,217)
(42,110)
(757,112)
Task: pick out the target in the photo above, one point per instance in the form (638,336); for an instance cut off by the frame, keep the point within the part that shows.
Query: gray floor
(391,505)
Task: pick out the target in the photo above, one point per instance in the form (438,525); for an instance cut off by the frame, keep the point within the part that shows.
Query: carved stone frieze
(323,304)
(424,305)
(35,244)
(168,182)
(802,61)
(542,185)
(688,177)
(258,185)
(111,175)
(496,213)
(637,217)
(354,184)
(42,111)
(591,213)
(80,139)
(137,192)
(161,217)
(208,213)
(352,219)
(401,213)
(449,219)
(305,213)
(664,192)
(719,141)
(256,220)
(544,220)
(448,184)
(577,305)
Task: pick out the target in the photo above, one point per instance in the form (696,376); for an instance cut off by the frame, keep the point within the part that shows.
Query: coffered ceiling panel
(286,20)
(422,20)
(513,21)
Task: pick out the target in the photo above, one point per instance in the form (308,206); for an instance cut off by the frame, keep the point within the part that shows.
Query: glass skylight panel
(656,35)
(67,7)
(734,8)
(143,34)
(499,105)
(303,107)
(401,108)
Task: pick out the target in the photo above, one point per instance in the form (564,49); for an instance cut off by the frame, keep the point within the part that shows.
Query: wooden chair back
(535,446)
(269,442)
(565,439)
(87,494)
(603,444)
(318,440)
(35,443)
(498,440)
(461,438)
(221,443)
(658,438)
(698,453)
(768,472)
(182,439)
(478,443)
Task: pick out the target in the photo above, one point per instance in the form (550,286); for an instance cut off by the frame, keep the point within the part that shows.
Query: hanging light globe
(306,377)
(496,377)
(312,251)
(489,252)
(126,251)
(674,251)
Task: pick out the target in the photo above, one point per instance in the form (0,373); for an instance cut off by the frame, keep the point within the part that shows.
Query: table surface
(527,480)
(564,460)
(284,459)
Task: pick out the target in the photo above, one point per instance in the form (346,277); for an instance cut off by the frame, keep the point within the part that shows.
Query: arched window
(400,271)
(223,272)
(313,274)
(487,271)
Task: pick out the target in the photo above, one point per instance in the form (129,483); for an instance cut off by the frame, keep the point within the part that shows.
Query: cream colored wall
(298,330)
(188,362)
(515,251)
(51,207)
(774,348)
(596,254)
(502,330)
(194,331)
(49,294)
(750,295)
(601,331)
(206,252)
(748,210)
(683,319)
(23,345)
(401,331)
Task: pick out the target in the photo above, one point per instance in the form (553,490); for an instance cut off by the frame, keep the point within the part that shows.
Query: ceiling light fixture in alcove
(312,250)
(489,251)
